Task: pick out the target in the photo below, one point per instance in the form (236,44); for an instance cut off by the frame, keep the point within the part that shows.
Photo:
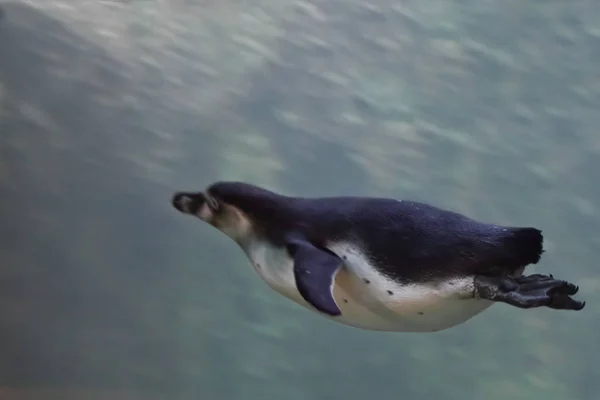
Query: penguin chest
(276,268)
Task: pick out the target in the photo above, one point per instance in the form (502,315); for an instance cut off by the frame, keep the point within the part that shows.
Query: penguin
(380,264)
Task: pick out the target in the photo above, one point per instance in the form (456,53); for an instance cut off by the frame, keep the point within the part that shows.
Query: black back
(406,240)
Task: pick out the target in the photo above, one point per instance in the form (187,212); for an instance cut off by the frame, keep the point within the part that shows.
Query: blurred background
(489,108)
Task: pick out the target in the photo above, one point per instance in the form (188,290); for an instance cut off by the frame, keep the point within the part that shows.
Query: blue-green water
(107,108)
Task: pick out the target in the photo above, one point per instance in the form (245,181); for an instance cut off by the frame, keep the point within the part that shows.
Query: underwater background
(488,108)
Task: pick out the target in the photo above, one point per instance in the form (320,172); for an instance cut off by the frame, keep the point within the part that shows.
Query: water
(107,108)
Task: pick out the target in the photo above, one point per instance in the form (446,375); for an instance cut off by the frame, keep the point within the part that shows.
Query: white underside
(409,308)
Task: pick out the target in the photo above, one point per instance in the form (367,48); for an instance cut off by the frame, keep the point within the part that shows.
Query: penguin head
(216,210)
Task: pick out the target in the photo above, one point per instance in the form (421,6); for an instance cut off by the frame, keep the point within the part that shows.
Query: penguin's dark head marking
(188,203)
(210,206)
(239,210)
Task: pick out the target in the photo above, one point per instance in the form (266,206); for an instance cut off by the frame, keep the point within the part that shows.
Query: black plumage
(407,241)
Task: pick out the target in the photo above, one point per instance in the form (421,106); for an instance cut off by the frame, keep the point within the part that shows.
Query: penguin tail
(524,245)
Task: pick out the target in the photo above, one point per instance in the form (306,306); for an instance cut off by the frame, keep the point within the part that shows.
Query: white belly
(371,301)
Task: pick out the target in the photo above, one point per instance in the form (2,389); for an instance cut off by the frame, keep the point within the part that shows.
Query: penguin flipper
(314,271)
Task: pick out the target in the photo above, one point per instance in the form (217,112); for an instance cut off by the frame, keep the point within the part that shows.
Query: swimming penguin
(376,263)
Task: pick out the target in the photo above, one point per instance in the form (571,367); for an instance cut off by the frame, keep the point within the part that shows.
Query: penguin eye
(212,203)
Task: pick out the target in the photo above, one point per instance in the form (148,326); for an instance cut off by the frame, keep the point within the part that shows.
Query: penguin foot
(535,278)
(529,291)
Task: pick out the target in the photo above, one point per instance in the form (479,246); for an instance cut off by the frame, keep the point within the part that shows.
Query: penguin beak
(188,203)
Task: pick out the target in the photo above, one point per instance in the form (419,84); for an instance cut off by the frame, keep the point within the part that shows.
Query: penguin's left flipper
(315,270)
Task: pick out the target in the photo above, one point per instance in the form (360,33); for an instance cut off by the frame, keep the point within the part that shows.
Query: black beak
(187,203)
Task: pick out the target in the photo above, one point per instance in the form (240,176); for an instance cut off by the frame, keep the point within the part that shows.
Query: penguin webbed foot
(529,291)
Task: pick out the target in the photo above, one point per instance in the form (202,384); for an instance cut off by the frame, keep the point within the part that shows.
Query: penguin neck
(244,234)
(252,240)
(246,242)
(266,224)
